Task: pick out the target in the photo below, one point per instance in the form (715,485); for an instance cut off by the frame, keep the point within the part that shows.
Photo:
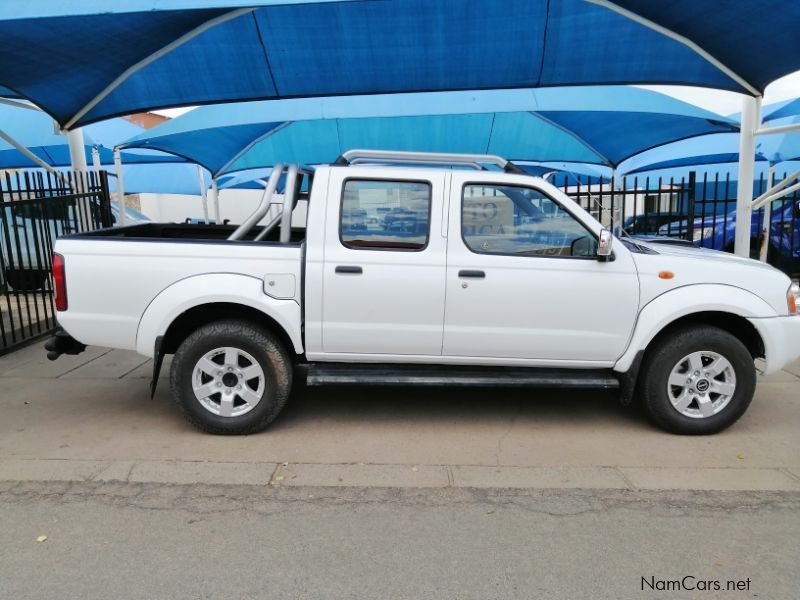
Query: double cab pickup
(432,269)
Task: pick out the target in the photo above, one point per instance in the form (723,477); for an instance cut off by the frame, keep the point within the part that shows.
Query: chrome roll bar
(288,203)
(263,207)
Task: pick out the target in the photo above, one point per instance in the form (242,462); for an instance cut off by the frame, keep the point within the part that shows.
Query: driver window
(520,221)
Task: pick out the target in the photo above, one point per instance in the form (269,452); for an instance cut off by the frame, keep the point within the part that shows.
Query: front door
(523,281)
(384,266)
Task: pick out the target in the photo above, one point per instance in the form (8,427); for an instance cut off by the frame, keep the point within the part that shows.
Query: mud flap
(158,360)
(629,379)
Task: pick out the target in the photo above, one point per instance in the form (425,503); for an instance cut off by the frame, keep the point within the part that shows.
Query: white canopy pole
(120,187)
(767,130)
(203,195)
(28,154)
(96,159)
(773,191)
(766,223)
(615,220)
(215,200)
(77,150)
(751,119)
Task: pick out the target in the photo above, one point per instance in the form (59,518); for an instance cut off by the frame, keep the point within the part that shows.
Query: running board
(450,375)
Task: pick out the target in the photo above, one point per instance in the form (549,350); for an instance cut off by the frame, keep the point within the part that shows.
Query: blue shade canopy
(38,132)
(724,148)
(90,60)
(166,178)
(601,125)
(780,110)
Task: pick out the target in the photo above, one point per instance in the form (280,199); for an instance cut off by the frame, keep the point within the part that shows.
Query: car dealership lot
(90,417)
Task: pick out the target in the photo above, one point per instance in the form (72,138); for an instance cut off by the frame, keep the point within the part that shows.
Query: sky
(725,103)
(720,102)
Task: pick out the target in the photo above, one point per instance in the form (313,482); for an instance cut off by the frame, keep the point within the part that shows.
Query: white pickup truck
(425,269)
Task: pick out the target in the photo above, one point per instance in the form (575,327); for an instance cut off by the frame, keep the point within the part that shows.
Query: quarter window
(385,215)
(497,219)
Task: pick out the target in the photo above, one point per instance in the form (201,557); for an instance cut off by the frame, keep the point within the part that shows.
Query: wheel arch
(202,314)
(190,303)
(724,306)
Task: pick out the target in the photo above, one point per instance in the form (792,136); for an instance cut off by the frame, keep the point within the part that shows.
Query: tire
(235,349)
(25,280)
(674,359)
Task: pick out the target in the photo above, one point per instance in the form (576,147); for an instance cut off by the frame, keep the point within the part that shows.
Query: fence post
(690,191)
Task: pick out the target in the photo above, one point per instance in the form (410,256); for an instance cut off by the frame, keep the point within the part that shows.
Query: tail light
(59,282)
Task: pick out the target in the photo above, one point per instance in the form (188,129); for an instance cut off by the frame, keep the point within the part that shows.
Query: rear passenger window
(385,215)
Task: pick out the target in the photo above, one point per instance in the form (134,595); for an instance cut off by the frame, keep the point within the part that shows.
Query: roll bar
(354,157)
(263,206)
(290,193)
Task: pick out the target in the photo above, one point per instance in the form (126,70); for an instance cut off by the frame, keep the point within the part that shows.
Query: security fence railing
(35,209)
(698,208)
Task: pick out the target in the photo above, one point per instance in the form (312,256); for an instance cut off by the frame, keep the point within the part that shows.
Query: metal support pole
(77,150)
(203,192)
(36,160)
(288,204)
(96,159)
(751,119)
(776,191)
(766,222)
(616,210)
(215,200)
(120,188)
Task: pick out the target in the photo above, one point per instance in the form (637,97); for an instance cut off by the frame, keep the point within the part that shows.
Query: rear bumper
(781,337)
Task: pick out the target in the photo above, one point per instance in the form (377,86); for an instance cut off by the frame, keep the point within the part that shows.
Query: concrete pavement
(90,418)
(369,493)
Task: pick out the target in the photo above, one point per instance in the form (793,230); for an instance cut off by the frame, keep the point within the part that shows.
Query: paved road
(107,540)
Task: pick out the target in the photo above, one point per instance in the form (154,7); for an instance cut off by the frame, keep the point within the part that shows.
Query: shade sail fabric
(87,61)
(37,132)
(166,178)
(561,172)
(780,110)
(600,125)
(724,148)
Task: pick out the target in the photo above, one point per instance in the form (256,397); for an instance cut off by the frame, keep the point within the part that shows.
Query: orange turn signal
(666,275)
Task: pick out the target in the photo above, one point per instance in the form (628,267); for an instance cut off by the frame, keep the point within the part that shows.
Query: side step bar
(449,375)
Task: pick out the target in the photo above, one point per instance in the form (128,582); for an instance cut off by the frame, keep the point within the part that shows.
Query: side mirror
(604,245)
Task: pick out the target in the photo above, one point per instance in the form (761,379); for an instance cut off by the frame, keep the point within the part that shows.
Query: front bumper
(781,337)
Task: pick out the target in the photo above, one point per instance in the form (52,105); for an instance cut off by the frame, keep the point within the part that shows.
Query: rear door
(384,263)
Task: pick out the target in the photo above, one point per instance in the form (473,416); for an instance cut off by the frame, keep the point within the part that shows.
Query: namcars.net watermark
(690,583)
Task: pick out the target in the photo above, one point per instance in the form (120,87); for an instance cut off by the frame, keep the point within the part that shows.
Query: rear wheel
(697,380)
(231,377)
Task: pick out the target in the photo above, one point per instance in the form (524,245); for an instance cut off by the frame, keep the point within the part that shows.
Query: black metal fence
(35,209)
(700,208)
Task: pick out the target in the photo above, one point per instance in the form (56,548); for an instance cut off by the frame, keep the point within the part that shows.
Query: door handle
(349,269)
(470,273)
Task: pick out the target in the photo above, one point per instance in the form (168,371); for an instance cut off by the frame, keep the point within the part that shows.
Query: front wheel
(231,377)
(697,380)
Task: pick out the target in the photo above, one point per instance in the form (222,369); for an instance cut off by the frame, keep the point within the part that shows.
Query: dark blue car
(718,232)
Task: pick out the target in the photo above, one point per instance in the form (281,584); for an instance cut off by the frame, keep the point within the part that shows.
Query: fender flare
(686,300)
(197,290)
